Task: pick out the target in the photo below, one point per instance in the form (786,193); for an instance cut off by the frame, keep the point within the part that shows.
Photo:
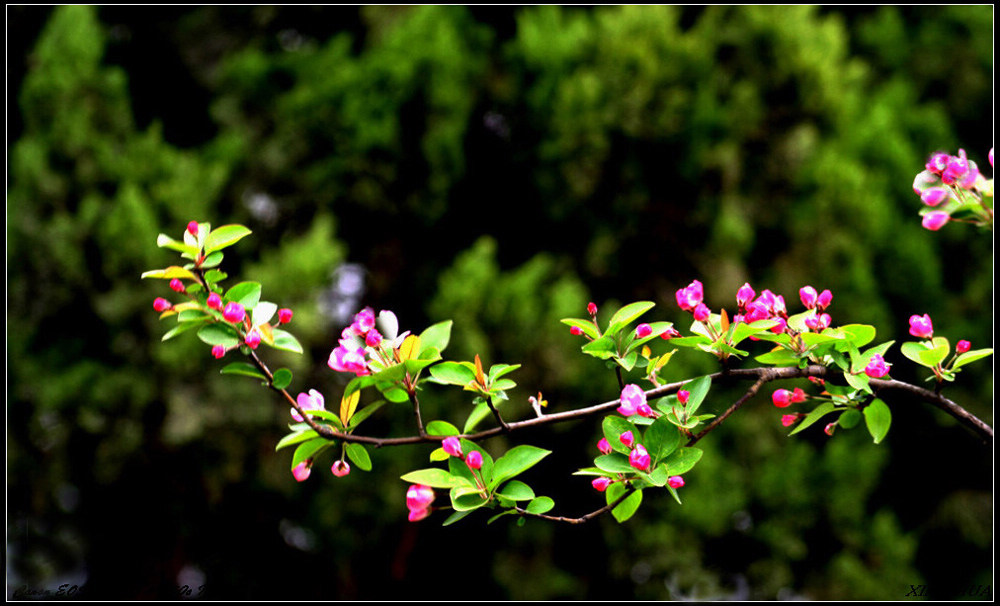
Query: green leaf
(184,327)
(849,418)
(698,388)
(434,477)
(613,427)
(661,439)
(602,348)
(456,516)
(282,378)
(743,330)
(479,412)
(169,273)
(627,508)
(295,438)
(614,463)
(212,260)
(309,450)
(224,236)
(858,381)
(441,428)
(586,326)
(219,334)
(779,357)
(627,314)
(540,505)
(499,370)
(517,491)
(359,455)
(467,498)
(436,336)
(859,334)
(165,241)
(453,373)
(516,461)
(284,341)
(971,356)
(243,368)
(935,355)
(246,294)
(818,412)
(877,418)
(682,460)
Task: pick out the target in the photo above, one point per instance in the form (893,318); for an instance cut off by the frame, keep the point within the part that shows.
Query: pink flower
(312,401)
(627,439)
(921,326)
(744,295)
(935,220)
(592,308)
(253,339)
(961,171)
(683,395)
(340,468)
(601,483)
(575,330)
(818,323)
(767,299)
(214,301)
(644,410)
(932,196)
(963,345)
(452,446)
(348,360)
(670,333)
(176,285)
(757,311)
(809,296)
(234,313)
(218,351)
(643,330)
(689,297)
(161,304)
(193,228)
(824,300)
(789,420)
(284,315)
(798,395)
(632,397)
(702,312)
(474,460)
(373,338)
(779,308)
(675,482)
(877,367)
(937,162)
(782,398)
(639,458)
(418,501)
(364,321)
(780,326)
(302,471)
(604,446)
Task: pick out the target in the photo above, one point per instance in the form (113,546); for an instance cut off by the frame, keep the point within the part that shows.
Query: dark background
(500,167)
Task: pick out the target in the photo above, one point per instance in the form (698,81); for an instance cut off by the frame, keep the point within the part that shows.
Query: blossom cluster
(947,181)
(752,307)
(362,346)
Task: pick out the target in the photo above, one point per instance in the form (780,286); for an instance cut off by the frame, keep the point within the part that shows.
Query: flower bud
(828,430)
(418,501)
(252,339)
(474,460)
(632,396)
(937,162)
(744,295)
(643,330)
(689,297)
(683,395)
(575,330)
(644,410)
(670,333)
(452,446)
(935,220)
(302,471)
(818,323)
(214,301)
(604,446)
(234,313)
(921,326)
(639,458)
(627,439)
(877,367)
(798,395)
(932,196)
(284,315)
(340,468)
(176,285)
(789,420)
(364,321)
(193,228)
(218,351)
(702,312)
(592,308)
(824,300)
(809,296)
(675,481)
(161,304)
(601,483)
(373,338)
(782,398)
(963,345)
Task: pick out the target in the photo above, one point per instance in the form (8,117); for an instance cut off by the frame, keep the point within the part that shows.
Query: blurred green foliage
(499,167)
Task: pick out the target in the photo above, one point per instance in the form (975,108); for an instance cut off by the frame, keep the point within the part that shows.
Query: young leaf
(295,438)
(348,404)
(309,450)
(613,427)
(630,312)
(661,439)
(682,460)
(971,356)
(436,336)
(224,236)
(515,461)
(627,508)
(586,326)
(453,373)
(284,341)
(821,410)
(169,273)
(540,505)
(410,348)
(614,463)
(282,378)
(219,334)
(246,294)
(698,388)
(877,418)
(263,313)
(359,455)
(434,477)
(517,491)
(243,368)
(441,428)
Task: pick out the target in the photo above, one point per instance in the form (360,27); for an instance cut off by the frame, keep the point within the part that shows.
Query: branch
(582,519)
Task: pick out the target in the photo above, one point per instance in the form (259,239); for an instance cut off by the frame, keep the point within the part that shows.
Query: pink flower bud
(925,179)
(781,398)
(604,446)
(683,395)
(214,301)
(601,483)
(161,304)
(689,297)
(176,285)
(990,156)
(418,501)
(343,359)
(779,308)
(932,196)
(780,326)
(627,439)
(818,323)
(340,468)
(193,228)
(234,313)
(877,367)
(744,295)
(252,339)
(474,460)
(789,420)
(799,396)
(963,345)
(921,326)
(828,430)
(592,308)
(702,312)
(364,321)
(935,220)
(808,296)
(575,330)
(302,471)
(644,410)
(643,330)
(758,310)
(675,482)
(639,458)
(284,315)
(824,300)
(452,446)
(937,162)
(632,396)
(218,351)
(373,338)
(670,333)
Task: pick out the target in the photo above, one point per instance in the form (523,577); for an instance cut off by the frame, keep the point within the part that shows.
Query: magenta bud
(744,295)
(161,304)
(639,458)
(644,410)
(193,228)
(921,326)
(234,313)
(218,351)
(284,315)
(452,446)
(877,367)
(809,296)
(963,345)
(592,308)
(789,420)
(214,301)
(601,483)
(576,331)
(373,338)
(824,300)
(340,468)
(702,312)
(643,330)
(675,481)
(935,220)
(176,285)
(627,439)
(828,430)
(632,396)
(932,196)
(302,471)
(253,339)
(604,446)
(474,460)
(683,395)
(781,398)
